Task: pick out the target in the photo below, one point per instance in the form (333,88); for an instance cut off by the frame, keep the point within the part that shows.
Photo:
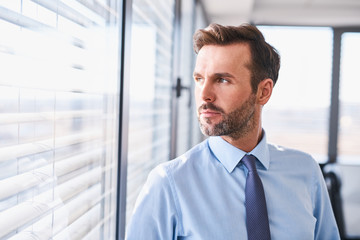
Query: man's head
(265,61)
(232,84)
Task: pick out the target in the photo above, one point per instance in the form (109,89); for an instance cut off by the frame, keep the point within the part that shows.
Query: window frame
(335,92)
(123,125)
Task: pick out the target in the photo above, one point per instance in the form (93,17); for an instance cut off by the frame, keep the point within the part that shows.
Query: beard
(235,124)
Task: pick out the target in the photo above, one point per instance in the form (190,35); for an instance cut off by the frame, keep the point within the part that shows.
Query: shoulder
(299,164)
(169,177)
(291,154)
(293,160)
(193,158)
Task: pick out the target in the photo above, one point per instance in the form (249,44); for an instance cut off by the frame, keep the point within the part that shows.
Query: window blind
(150,91)
(58,119)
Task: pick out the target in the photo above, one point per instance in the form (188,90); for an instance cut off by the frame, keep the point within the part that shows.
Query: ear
(264,91)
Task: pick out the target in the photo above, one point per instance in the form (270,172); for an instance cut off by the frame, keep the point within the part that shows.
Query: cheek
(232,101)
(229,100)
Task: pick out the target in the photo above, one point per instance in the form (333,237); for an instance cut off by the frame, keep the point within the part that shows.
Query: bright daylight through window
(297,114)
(58,119)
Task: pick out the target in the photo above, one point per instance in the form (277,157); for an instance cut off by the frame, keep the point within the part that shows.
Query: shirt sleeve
(154,216)
(326,227)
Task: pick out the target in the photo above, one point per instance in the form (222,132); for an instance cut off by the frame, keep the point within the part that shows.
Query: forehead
(228,58)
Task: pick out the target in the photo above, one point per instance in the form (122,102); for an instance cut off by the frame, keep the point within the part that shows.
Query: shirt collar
(230,156)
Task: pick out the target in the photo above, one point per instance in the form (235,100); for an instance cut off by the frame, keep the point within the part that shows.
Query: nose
(207,93)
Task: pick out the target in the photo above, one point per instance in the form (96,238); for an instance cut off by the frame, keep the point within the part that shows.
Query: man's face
(224,98)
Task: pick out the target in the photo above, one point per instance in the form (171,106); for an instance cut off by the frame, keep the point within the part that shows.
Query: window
(200,21)
(185,101)
(297,114)
(349,121)
(58,119)
(150,91)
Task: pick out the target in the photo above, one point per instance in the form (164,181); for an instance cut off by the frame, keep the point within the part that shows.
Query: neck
(247,142)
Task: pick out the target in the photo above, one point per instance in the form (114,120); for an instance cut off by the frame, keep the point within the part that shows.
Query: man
(203,194)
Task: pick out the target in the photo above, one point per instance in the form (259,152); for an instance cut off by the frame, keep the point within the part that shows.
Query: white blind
(150,91)
(58,119)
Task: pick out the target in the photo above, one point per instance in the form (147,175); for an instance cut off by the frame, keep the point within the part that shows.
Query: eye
(198,79)
(223,80)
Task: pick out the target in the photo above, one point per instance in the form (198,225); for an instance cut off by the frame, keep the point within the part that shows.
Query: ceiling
(336,13)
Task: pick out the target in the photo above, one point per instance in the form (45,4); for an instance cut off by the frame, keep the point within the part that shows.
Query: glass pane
(59,101)
(349,129)
(185,127)
(200,21)
(150,91)
(297,114)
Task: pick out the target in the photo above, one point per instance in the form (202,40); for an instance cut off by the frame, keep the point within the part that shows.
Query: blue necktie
(257,222)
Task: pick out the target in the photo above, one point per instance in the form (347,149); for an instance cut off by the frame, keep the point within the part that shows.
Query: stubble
(235,124)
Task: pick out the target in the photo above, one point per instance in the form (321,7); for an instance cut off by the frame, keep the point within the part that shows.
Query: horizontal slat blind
(150,91)
(58,119)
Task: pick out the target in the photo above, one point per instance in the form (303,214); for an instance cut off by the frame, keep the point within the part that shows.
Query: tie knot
(249,162)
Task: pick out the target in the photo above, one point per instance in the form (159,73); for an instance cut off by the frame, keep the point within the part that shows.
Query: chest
(216,210)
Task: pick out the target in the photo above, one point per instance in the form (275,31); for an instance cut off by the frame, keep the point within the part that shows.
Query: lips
(209,110)
(209,113)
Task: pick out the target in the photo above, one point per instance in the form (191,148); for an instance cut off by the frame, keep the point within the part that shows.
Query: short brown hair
(265,59)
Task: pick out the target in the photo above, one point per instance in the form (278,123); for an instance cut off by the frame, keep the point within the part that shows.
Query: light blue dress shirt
(200,196)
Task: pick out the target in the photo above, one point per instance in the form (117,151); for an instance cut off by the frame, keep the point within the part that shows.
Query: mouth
(209,110)
(209,113)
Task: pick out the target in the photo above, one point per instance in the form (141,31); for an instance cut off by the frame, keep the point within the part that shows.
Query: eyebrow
(196,74)
(216,75)
(225,74)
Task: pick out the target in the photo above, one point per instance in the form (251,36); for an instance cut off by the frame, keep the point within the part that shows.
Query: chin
(207,130)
